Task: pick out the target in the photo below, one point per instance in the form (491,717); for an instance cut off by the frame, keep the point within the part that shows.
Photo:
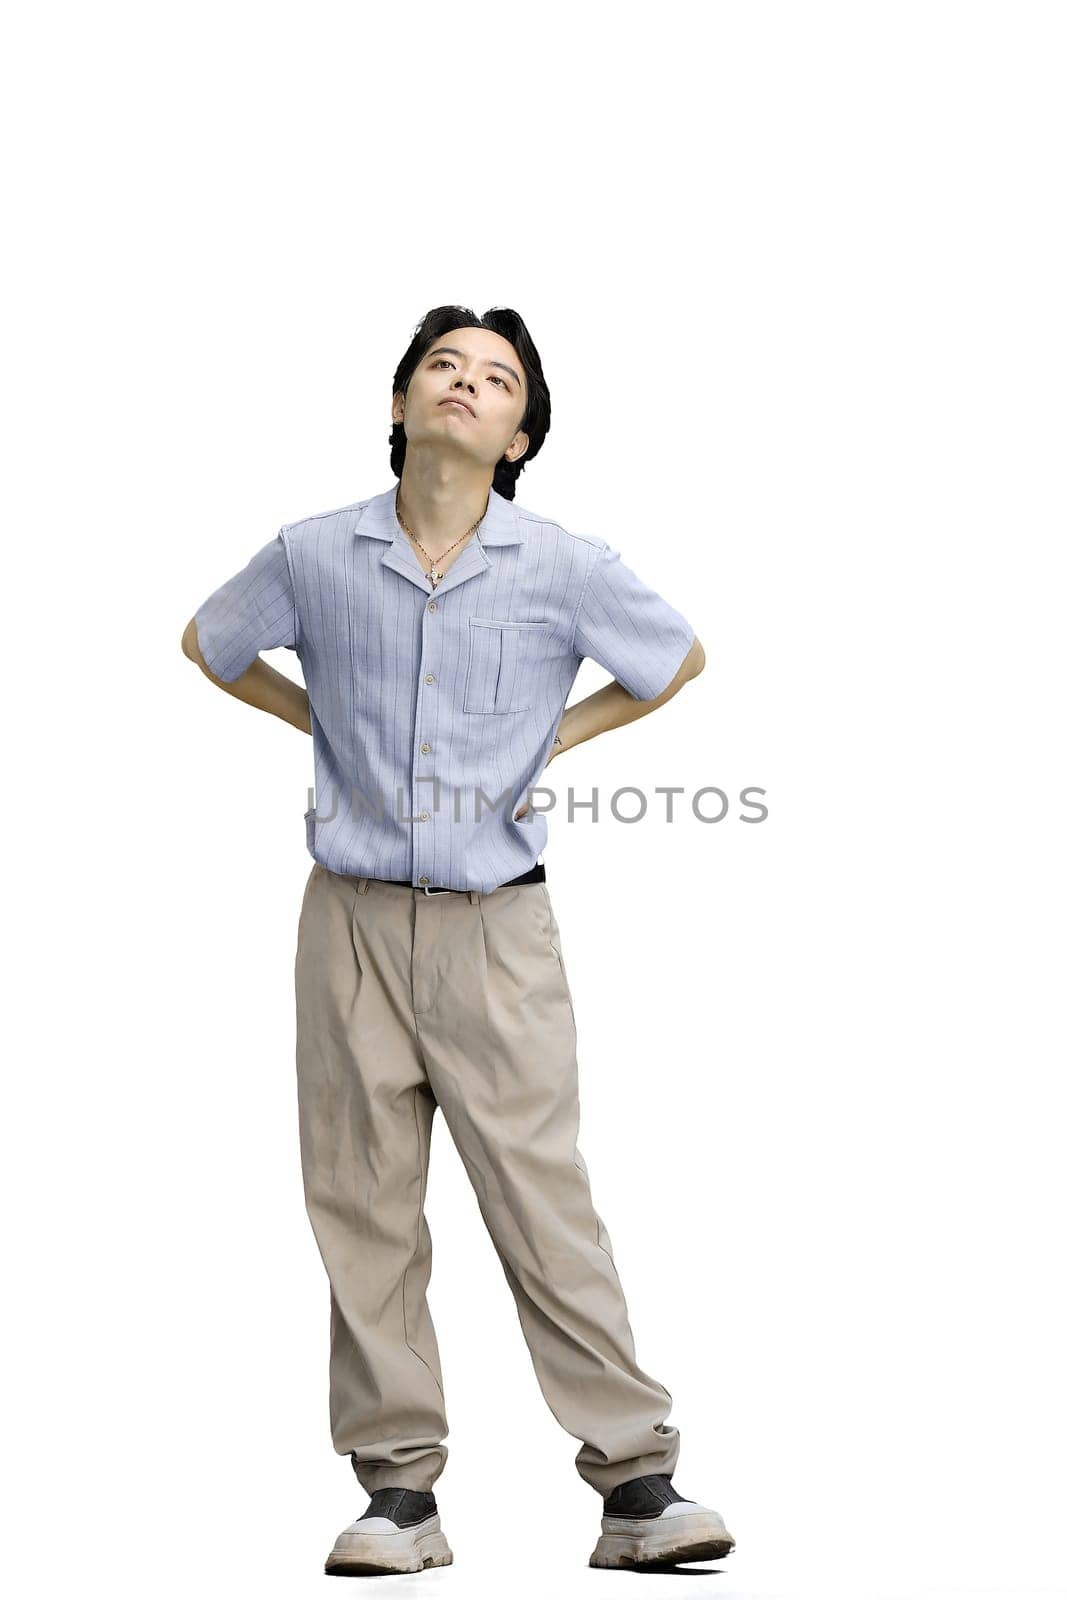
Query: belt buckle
(429,888)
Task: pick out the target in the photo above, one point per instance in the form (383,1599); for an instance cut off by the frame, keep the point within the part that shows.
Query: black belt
(536,874)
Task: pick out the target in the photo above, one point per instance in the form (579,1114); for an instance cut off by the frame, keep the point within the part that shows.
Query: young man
(440,627)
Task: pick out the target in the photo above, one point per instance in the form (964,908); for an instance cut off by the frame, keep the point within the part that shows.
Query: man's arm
(612,706)
(261,685)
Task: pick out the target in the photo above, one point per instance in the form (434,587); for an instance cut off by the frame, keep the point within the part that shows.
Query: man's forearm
(264,687)
(612,706)
(261,686)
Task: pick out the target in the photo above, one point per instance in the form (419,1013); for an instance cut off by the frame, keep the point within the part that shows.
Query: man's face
(481,369)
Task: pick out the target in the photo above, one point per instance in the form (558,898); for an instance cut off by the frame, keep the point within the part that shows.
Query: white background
(796,275)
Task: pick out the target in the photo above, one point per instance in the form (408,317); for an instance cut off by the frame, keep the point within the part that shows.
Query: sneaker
(400,1531)
(646,1522)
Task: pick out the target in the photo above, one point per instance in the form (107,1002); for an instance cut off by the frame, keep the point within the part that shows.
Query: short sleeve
(252,611)
(629,629)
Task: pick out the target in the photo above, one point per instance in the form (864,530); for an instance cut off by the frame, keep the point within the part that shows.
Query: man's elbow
(191,648)
(693,662)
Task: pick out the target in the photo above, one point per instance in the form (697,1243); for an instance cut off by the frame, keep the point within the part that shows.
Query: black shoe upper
(641,1497)
(405,1507)
(637,1497)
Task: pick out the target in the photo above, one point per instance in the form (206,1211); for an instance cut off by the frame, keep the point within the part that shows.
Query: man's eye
(443,361)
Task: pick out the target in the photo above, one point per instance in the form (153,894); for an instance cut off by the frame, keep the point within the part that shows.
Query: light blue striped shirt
(434,710)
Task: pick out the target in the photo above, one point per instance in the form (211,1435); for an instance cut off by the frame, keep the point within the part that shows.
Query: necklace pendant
(435,576)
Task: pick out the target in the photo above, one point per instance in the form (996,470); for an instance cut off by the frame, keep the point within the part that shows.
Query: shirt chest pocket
(501,657)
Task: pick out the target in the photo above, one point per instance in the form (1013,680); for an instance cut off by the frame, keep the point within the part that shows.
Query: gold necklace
(435,576)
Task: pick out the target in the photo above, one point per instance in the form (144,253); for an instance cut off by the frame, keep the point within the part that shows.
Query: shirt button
(424,748)
(428,678)
(424,879)
(423,816)
(432,606)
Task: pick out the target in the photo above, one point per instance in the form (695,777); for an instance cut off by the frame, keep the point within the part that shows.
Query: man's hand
(557,746)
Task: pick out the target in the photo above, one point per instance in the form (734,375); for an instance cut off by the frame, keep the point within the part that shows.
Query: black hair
(499,319)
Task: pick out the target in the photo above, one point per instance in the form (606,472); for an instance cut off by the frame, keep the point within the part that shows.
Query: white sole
(698,1537)
(406,1550)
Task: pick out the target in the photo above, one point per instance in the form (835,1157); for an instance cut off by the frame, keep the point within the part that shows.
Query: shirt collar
(500,525)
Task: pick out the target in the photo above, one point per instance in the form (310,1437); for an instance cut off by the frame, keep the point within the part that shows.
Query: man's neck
(440,503)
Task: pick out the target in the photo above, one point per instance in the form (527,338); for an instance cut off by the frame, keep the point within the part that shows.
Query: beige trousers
(406,1002)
